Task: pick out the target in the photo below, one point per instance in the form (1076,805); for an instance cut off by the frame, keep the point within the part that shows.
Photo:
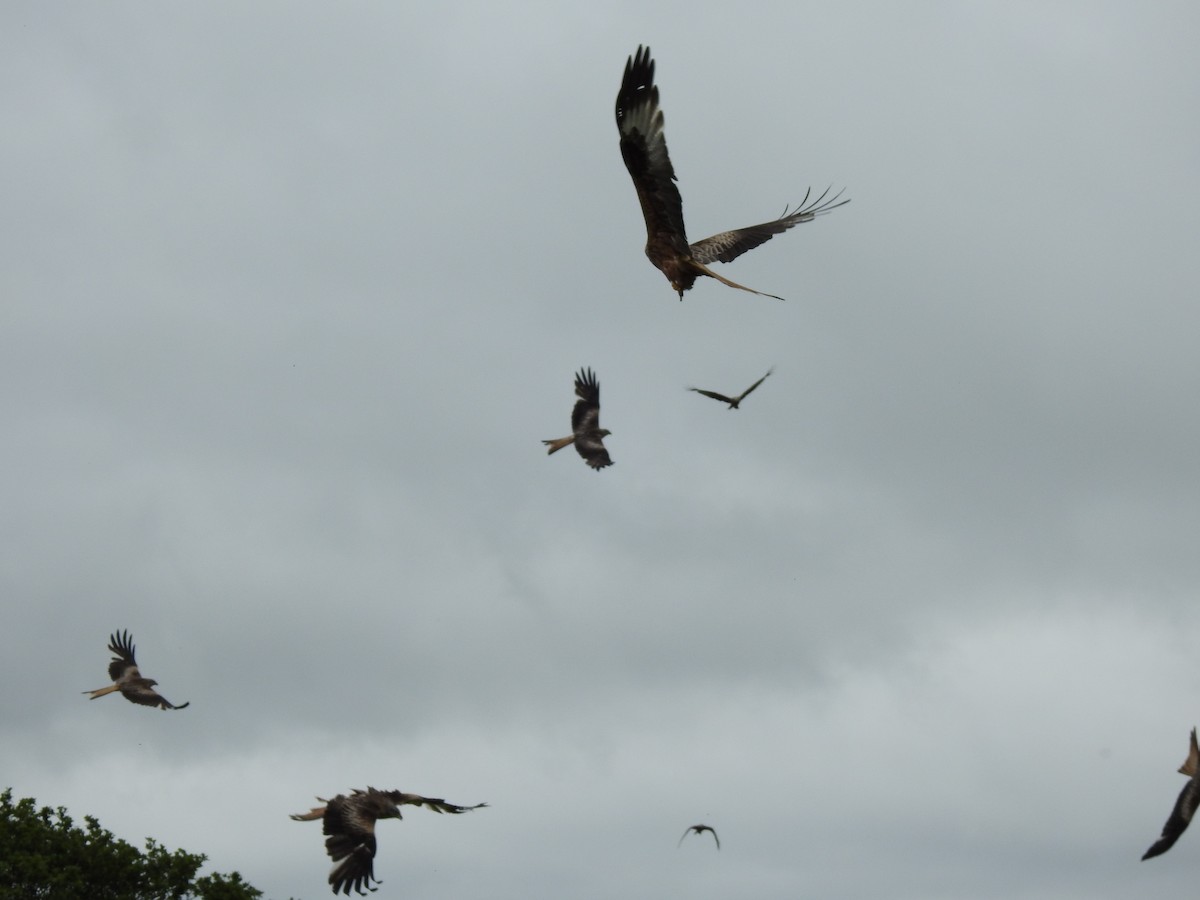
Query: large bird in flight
(587,435)
(123,670)
(350,826)
(699,829)
(644,149)
(733,401)
(1185,806)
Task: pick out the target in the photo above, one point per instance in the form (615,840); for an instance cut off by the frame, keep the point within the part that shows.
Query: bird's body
(123,670)
(586,433)
(644,150)
(699,829)
(734,402)
(1185,804)
(349,823)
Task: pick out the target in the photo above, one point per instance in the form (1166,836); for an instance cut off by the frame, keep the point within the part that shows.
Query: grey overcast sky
(293,291)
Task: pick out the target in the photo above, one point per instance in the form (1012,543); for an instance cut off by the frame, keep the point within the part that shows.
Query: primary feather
(734,402)
(586,433)
(126,678)
(1185,804)
(644,150)
(349,823)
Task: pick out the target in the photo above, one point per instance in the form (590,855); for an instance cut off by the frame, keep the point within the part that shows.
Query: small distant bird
(733,401)
(699,829)
(128,680)
(644,149)
(588,436)
(350,826)
(1185,806)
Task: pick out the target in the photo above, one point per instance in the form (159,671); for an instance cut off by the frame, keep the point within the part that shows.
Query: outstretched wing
(350,826)
(748,391)
(592,450)
(141,692)
(436,804)
(586,415)
(1181,817)
(1185,804)
(644,149)
(123,670)
(585,421)
(712,394)
(729,245)
(354,860)
(124,665)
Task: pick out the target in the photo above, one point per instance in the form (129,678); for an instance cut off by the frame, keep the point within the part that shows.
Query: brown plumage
(588,437)
(644,149)
(128,680)
(1185,805)
(699,829)
(733,401)
(350,826)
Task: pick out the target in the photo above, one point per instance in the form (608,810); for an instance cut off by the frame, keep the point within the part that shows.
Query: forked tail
(558,443)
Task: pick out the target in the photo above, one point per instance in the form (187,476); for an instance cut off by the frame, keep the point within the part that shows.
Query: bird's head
(151,682)
(392,813)
(604,432)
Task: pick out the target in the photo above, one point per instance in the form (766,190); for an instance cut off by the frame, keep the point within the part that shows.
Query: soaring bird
(733,401)
(128,680)
(350,826)
(644,149)
(588,437)
(1185,806)
(699,829)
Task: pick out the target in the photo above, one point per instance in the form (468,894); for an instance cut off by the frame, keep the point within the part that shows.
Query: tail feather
(317,812)
(1193,759)
(558,443)
(102,691)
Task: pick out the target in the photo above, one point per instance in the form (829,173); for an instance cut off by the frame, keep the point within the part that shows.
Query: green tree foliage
(43,854)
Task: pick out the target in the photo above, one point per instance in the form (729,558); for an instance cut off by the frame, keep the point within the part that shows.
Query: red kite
(732,401)
(699,829)
(644,149)
(588,436)
(350,826)
(128,680)
(1185,806)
